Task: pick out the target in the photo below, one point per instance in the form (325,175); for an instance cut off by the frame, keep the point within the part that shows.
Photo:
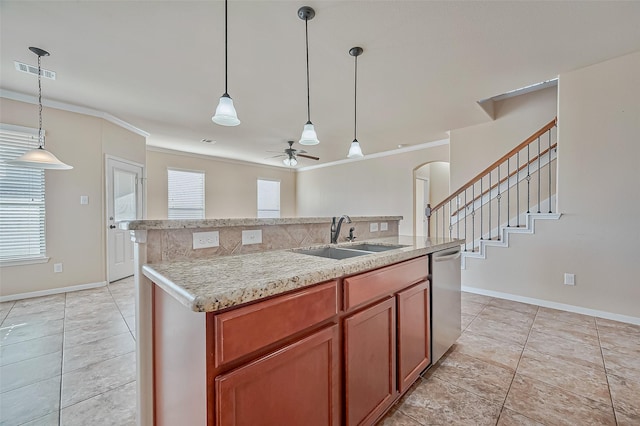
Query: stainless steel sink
(333,252)
(374,248)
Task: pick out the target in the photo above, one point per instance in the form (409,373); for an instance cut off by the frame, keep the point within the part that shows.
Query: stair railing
(474,209)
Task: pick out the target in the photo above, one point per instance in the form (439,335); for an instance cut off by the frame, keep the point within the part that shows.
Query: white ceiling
(159,65)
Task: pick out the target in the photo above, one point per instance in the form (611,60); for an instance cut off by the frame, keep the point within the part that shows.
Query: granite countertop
(149,224)
(206,285)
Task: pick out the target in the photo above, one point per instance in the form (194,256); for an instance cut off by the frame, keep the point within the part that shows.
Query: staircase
(506,198)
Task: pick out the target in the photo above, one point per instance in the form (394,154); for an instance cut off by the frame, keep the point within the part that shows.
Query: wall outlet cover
(206,239)
(570,279)
(84,199)
(252,237)
(57,267)
(384,226)
(373,227)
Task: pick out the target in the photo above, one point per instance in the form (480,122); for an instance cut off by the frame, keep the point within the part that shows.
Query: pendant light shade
(354,150)
(39,158)
(309,136)
(226,114)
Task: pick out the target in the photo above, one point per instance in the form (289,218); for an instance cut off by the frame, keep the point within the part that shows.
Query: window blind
(186,194)
(268,198)
(22,201)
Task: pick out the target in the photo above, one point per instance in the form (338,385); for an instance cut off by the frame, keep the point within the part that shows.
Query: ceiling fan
(290,155)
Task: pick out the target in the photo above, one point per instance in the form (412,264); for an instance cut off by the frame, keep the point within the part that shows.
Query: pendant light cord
(226,75)
(40,137)
(355,101)
(306,33)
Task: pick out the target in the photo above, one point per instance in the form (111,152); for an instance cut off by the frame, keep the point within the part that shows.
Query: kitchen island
(284,337)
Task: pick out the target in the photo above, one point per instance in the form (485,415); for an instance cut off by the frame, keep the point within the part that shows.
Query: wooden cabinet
(370,373)
(296,385)
(413,334)
(386,345)
(340,352)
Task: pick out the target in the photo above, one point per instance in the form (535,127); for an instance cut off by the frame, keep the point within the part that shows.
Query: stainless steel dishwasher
(445,301)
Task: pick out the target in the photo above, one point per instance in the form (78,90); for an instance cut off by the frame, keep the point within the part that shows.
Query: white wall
(475,148)
(230,186)
(75,234)
(598,195)
(374,186)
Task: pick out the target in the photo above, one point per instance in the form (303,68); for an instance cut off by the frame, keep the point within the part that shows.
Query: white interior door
(124,202)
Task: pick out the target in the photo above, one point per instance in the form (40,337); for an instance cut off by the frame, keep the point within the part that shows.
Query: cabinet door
(413,333)
(296,385)
(370,370)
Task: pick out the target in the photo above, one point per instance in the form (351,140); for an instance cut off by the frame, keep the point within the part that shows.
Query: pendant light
(309,136)
(354,150)
(39,158)
(225,112)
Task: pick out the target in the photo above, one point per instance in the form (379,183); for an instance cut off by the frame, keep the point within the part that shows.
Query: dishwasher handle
(443,256)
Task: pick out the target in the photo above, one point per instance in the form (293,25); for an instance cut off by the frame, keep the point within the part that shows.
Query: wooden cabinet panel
(413,333)
(297,385)
(367,287)
(370,366)
(246,329)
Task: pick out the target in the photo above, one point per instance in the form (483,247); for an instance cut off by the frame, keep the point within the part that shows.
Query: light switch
(252,237)
(206,239)
(384,226)
(84,199)
(373,227)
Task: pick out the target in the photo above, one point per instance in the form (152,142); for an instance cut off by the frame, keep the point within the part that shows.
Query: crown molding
(379,154)
(17,96)
(214,158)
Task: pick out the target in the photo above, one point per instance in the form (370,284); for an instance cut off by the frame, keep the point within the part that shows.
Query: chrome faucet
(335,227)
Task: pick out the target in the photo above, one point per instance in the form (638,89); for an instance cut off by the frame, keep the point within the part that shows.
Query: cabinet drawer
(363,288)
(244,330)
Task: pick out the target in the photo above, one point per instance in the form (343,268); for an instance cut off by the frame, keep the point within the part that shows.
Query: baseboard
(554,305)
(49,292)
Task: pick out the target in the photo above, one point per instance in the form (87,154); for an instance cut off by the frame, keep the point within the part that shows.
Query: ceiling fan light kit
(354,150)
(309,135)
(39,158)
(226,114)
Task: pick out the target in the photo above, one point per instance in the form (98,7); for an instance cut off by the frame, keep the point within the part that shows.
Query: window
(22,209)
(268,198)
(186,194)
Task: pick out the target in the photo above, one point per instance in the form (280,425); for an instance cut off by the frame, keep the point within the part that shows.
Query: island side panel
(179,362)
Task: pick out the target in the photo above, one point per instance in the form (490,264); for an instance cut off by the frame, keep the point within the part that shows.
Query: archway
(431,185)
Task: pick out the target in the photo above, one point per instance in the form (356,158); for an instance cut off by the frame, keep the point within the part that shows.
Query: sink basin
(374,248)
(333,252)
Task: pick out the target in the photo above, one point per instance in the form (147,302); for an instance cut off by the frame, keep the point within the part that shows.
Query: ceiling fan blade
(308,156)
(302,151)
(276,156)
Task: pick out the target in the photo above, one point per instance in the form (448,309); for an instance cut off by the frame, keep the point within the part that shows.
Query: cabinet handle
(447,256)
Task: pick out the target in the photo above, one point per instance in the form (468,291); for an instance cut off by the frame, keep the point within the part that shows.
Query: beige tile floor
(69,360)
(519,364)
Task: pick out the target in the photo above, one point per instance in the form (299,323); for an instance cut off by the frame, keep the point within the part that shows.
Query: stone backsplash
(167,244)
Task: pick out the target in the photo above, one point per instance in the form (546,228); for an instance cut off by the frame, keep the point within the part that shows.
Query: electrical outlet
(373,227)
(384,226)
(252,237)
(57,267)
(570,279)
(206,239)
(84,199)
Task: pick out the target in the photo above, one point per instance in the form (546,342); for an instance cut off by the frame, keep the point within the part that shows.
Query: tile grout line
(606,375)
(515,371)
(64,321)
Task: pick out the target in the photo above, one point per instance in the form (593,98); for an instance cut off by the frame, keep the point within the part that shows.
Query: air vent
(33,70)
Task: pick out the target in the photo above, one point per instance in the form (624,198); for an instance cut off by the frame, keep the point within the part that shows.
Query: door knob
(112,226)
